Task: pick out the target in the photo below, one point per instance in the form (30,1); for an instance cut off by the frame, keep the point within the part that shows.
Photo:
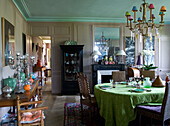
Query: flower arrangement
(148,54)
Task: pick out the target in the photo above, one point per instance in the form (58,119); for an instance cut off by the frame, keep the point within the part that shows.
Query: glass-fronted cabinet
(71,63)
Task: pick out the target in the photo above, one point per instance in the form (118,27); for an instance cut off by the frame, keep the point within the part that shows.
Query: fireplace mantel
(96,67)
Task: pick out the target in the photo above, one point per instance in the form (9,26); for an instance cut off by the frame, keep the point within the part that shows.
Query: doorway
(42,53)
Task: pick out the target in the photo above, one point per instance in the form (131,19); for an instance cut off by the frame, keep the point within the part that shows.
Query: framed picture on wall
(130,51)
(24,43)
(8,40)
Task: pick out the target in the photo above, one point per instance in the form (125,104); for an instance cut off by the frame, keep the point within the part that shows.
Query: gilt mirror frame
(8,40)
(121,43)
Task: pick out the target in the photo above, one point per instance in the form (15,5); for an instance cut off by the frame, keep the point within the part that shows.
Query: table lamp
(139,61)
(95,55)
(121,53)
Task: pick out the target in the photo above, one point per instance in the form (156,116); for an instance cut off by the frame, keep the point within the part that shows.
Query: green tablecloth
(117,105)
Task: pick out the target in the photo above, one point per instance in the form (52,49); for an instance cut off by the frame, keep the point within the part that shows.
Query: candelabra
(142,26)
(21,65)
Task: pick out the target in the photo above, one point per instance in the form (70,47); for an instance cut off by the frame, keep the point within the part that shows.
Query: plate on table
(105,87)
(140,90)
(123,83)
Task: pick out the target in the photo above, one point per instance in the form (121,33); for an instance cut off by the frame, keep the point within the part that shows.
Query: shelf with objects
(71,63)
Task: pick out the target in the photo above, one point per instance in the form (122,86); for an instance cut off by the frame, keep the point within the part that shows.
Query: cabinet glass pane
(71,66)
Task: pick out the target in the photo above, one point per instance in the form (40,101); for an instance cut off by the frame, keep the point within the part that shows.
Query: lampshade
(134,8)
(160,13)
(127,14)
(153,16)
(163,9)
(130,18)
(96,52)
(121,53)
(151,6)
(139,19)
(139,60)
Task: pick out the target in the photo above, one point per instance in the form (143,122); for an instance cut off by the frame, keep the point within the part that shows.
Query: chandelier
(143,26)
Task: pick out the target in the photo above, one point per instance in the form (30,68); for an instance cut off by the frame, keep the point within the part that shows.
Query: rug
(9,119)
(72,114)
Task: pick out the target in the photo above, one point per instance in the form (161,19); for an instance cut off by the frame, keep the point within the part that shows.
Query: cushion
(31,117)
(156,109)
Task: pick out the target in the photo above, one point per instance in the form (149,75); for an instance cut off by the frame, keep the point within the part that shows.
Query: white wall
(164,56)
(10,13)
(36,40)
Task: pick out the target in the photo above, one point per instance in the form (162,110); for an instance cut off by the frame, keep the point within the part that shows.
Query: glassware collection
(71,65)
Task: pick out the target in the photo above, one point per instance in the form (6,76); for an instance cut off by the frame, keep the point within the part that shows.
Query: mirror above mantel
(107,41)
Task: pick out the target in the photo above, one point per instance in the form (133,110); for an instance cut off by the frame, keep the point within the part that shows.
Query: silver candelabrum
(22,63)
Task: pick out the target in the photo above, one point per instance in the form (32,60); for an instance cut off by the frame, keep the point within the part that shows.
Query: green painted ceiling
(85,10)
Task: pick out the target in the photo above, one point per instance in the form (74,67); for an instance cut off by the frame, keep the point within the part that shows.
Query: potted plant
(149,67)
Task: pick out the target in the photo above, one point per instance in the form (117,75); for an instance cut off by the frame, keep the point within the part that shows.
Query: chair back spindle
(83,85)
(21,117)
(166,103)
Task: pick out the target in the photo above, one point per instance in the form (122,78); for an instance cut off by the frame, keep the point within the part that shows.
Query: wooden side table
(26,96)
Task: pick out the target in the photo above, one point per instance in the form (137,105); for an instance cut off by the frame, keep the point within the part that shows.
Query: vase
(157,82)
(10,82)
(147,83)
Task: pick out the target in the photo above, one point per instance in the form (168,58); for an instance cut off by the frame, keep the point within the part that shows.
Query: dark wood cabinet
(71,63)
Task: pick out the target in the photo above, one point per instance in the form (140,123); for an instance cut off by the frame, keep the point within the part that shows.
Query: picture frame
(130,51)
(24,43)
(8,40)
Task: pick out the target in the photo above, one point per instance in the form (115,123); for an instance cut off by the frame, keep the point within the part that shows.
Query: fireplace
(98,70)
(106,78)
(105,74)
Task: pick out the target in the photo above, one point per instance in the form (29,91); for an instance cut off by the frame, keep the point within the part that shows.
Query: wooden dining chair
(32,116)
(118,76)
(39,71)
(160,113)
(133,72)
(85,97)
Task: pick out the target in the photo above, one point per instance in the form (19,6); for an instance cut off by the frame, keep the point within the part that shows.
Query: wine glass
(137,79)
(111,81)
(130,79)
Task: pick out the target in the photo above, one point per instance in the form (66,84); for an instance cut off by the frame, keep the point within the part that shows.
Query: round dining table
(117,105)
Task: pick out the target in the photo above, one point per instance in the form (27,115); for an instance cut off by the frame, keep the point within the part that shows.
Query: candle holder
(21,64)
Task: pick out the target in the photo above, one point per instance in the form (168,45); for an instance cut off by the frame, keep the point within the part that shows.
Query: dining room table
(117,103)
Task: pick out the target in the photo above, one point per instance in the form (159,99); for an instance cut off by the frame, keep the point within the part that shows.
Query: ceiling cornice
(26,8)
(75,19)
(28,17)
